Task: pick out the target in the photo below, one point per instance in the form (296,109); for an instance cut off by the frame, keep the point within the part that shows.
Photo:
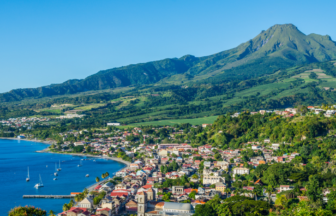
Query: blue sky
(45,42)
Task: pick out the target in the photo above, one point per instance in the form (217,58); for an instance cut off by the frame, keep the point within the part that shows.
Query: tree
(192,195)
(204,210)
(28,211)
(223,210)
(313,189)
(269,191)
(85,191)
(227,191)
(66,207)
(51,213)
(313,75)
(281,201)
(97,179)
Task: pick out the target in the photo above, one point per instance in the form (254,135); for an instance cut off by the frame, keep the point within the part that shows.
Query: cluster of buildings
(23,122)
(290,112)
(139,192)
(70,116)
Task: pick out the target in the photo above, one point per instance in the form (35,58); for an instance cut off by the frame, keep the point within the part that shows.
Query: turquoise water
(17,155)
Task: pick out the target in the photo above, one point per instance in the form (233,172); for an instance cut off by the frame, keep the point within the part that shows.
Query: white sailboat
(27,179)
(40,184)
(55,173)
(87,175)
(59,168)
(80,163)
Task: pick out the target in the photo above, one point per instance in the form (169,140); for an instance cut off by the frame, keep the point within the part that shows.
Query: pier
(49,196)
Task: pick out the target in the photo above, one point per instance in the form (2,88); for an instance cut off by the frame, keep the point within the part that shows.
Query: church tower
(142,203)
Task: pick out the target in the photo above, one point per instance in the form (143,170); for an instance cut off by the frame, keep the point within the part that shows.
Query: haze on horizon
(50,42)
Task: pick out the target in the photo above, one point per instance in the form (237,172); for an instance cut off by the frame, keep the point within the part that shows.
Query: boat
(80,163)
(59,168)
(87,175)
(40,184)
(27,179)
(55,179)
(55,173)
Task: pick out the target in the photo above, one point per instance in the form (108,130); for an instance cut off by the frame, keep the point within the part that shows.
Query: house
(256,147)
(285,188)
(134,166)
(177,189)
(267,140)
(163,153)
(241,171)
(275,146)
(207,164)
(212,179)
(104,212)
(113,124)
(262,112)
(75,211)
(131,207)
(86,203)
(220,187)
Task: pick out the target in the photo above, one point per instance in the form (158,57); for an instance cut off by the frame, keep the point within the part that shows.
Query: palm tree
(66,207)
(51,213)
(107,174)
(85,191)
(227,191)
(255,193)
(71,203)
(269,191)
(97,179)
(76,198)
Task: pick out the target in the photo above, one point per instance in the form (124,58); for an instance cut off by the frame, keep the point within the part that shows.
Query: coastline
(46,150)
(85,155)
(39,141)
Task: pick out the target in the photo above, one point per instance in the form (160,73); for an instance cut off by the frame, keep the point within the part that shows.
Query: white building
(212,179)
(285,188)
(241,171)
(113,124)
(86,203)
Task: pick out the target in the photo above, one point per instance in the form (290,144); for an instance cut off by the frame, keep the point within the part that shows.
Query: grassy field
(51,110)
(195,121)
(90,106)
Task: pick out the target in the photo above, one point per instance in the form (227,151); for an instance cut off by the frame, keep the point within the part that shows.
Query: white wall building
(241,171)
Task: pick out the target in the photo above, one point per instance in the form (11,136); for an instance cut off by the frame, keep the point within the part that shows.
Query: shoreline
(86,155)
(39,141)
(46,150)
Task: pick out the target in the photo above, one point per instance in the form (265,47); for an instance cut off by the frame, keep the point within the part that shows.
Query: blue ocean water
(17,155)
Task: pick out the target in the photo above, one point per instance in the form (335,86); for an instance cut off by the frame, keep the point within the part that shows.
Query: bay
(17,155)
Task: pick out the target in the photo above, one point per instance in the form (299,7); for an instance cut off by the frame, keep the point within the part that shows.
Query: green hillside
(281,46)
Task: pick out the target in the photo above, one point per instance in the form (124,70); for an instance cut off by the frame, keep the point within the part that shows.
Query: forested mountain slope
(281,46)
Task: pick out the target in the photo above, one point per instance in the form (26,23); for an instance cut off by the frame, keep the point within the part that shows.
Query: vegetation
(27,210)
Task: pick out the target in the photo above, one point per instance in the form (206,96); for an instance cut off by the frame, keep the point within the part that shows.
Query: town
(171,170)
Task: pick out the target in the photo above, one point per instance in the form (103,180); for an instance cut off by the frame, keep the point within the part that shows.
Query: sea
(17,155)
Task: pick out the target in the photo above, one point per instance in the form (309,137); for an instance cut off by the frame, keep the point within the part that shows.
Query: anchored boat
(28,179)
(40,184)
